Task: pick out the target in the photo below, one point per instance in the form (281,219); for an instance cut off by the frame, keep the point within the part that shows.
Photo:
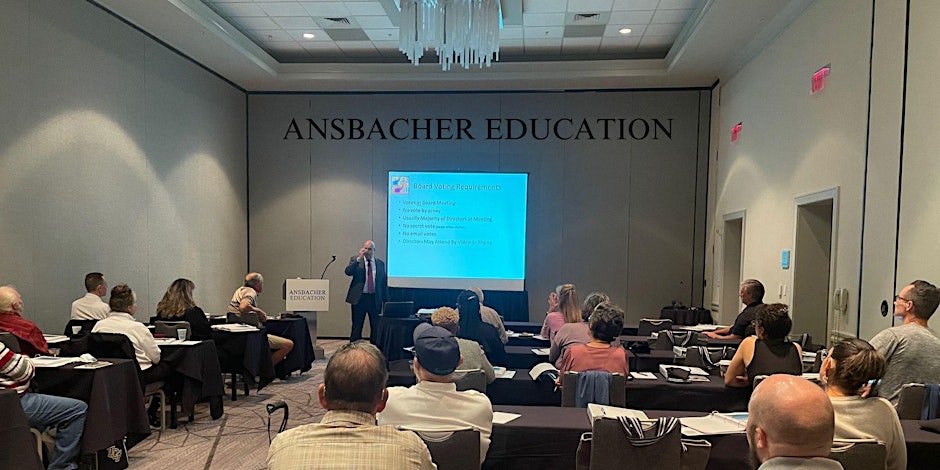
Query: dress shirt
(145,348)
(90,307)
(435,406)
(348,440)
(369,263)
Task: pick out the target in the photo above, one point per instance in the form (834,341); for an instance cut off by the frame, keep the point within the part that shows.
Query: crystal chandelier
(461,31)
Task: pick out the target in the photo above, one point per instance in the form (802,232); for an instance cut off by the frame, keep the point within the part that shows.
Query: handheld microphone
(327,266)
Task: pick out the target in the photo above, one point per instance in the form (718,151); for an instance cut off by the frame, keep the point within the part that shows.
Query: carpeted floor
(239,439)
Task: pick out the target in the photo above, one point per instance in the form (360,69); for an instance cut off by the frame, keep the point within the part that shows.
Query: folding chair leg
(234,388)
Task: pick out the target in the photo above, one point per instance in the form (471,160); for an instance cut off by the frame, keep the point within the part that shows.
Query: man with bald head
(790,425)
(368,289)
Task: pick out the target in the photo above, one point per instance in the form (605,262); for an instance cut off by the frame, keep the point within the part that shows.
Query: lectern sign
(308,295)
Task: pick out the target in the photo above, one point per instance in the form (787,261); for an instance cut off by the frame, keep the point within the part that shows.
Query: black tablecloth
(392,335)
(202,375)
(523,326)
(661,394)
(115,400)
(529,341)
(923,447)
(510,305)
(17,446)
(245,353)
(686,316)
(521,357)
(301,357)
(649,362)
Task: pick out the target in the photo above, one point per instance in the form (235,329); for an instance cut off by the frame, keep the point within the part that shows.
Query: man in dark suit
(368,289)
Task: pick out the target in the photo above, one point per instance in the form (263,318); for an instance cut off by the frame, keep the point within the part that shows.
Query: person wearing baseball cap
(434,404)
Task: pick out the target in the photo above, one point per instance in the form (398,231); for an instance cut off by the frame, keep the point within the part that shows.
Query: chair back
(84,325)
(859,454)
(470,379)
(10,341)
(649,325)
(453,450)
(613,447)
(169,328)
(250,318)
(758,380)
(617,391)
(113,345)
(910,401)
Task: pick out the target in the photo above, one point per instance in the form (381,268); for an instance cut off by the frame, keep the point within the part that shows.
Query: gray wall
(620,216)
(117,155)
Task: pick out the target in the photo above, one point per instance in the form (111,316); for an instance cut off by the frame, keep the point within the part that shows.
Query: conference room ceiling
(544,44)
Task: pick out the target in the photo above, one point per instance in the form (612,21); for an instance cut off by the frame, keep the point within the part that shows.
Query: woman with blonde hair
(566,310)
(178,305)
(848,372)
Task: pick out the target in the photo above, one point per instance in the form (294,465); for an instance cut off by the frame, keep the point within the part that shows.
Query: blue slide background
(438,231)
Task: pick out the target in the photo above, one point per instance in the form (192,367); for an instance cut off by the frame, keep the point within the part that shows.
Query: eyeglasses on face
(898,297)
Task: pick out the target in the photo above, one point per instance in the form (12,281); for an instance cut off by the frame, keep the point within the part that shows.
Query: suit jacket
(357,269)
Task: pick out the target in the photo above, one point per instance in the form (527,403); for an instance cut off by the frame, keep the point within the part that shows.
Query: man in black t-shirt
(752,295)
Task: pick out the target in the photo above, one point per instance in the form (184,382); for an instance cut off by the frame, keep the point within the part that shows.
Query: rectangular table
(547,438)
(393,335)
(295,329)
(245,353)
(115,400)
(201,376)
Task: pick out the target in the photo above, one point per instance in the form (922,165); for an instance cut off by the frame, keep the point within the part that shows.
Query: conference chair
(116,345)
(649,325)
(859,454)
(37,436)
(616,392)
(169,328)
(85,325)
(11,342)
(457,449)
(915,402)
(470,379)
(659,448)
(250,318)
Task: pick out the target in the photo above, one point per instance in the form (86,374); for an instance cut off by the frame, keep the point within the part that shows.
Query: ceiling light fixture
(626,31)
(460,31)
(309,36)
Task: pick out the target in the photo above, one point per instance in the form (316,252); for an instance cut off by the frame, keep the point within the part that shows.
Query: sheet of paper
(49,361)
(506,374)
(643,375)
(500,417)
(541,351)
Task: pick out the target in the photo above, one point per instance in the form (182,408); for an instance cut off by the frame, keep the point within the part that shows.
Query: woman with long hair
(473,327)
(848,373)
(178,305)
(566,310)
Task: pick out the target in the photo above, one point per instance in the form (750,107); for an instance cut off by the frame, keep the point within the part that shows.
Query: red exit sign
(819,79)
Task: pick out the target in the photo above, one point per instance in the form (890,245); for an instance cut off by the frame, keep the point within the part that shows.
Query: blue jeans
(67,415)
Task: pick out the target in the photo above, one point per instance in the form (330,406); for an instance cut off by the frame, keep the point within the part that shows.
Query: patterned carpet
(239,439)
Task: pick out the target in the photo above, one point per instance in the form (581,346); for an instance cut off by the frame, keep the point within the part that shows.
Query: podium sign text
(308,295)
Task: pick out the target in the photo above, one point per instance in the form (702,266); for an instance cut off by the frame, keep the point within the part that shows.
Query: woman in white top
(848,371)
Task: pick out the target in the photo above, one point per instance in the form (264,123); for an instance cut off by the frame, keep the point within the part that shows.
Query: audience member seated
(575,333)
(178,305)
(90,307)
(352,392)
(491,316)
(66,415)
(245,301)
(123,303)
(767,353)
(11,321)
(566,309)
(473,355)
(751,293)
(599,353)
(789,426)
(848,372)
(434,404)
(473,328)
(911,349)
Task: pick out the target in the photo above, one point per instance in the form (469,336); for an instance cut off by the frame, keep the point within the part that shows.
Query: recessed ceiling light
(309,36)
(626,31)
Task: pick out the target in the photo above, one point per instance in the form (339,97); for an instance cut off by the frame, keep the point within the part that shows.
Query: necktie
(370,281)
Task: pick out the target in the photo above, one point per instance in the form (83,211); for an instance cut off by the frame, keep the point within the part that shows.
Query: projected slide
(457,230)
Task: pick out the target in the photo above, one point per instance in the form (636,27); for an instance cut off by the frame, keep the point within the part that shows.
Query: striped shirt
(15,370)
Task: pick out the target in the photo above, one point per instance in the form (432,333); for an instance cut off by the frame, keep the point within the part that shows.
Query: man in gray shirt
(911,349)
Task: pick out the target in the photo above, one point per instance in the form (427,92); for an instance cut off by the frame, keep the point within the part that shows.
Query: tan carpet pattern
(239,439)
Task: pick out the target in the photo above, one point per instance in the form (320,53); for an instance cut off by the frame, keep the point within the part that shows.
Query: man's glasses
(898,297)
